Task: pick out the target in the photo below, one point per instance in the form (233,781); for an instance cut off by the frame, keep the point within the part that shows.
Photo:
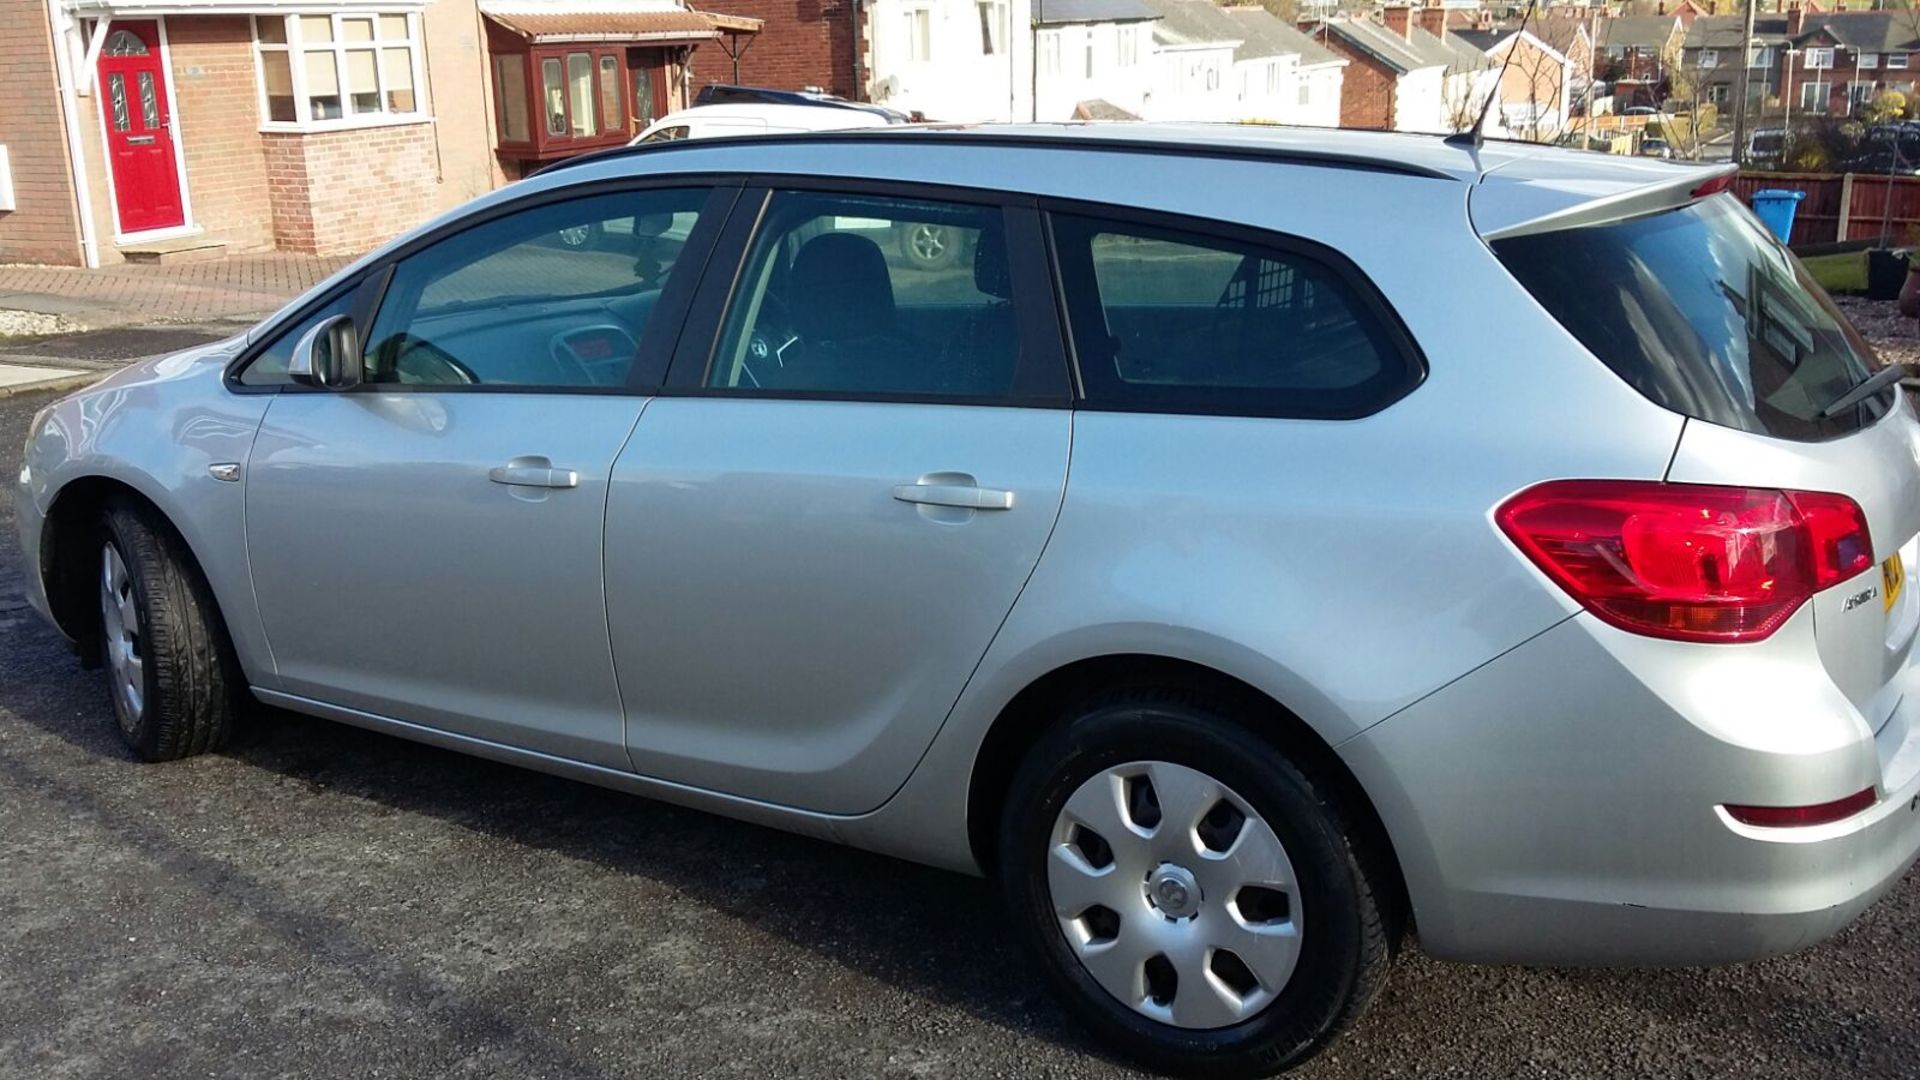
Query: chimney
(1433,18)
(1397,18)
(1661,8)
(1796,20)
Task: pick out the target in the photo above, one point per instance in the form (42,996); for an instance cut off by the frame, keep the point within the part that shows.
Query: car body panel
(358,502)
(784,627)
(1862,641)
(1594,837)
(157,427)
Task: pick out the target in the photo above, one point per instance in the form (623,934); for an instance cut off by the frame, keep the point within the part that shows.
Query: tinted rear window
(1703,312)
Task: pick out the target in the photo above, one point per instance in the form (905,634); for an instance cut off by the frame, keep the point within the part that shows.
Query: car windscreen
(1702,311)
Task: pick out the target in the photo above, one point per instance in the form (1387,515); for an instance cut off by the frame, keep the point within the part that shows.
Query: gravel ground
(1894,336)
(33,324)
(322,901)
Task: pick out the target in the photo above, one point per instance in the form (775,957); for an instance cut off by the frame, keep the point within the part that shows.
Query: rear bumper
(1561,804)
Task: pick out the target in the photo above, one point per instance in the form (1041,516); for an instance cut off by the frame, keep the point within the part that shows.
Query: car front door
(819,526)
(426,546)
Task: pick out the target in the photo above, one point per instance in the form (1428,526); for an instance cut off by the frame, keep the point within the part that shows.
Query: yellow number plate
(1893,577)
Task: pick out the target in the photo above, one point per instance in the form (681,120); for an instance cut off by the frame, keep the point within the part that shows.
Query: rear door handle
(964,495)
(533,472)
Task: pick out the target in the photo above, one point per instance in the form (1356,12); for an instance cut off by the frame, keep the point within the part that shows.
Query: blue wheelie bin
(1776,207)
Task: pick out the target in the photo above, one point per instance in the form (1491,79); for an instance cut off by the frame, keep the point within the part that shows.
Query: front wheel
(167,657)
(1197,898)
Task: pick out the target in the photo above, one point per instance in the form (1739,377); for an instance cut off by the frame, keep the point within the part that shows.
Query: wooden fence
(1853,206)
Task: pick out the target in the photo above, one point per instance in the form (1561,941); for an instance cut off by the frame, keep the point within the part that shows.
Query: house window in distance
(338,69)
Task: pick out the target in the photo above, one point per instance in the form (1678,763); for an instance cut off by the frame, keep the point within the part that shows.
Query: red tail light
(1687,561)
(1784,817)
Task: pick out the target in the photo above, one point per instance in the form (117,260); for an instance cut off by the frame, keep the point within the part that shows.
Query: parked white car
(722,111)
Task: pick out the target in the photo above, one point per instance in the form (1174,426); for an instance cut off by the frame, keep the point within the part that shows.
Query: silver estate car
(1265,544)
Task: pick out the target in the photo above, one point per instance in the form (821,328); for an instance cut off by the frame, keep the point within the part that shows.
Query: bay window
(339,69)
(554,100)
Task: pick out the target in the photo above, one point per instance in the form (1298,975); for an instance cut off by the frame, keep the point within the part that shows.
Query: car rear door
(820,524)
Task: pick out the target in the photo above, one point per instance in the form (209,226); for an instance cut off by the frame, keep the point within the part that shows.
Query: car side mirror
(328,356)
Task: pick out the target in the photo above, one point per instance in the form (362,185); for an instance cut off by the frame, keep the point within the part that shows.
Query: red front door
(133,99)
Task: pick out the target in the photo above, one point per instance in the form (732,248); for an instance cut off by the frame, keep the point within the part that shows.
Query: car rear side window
(1700,310)
(1169,320)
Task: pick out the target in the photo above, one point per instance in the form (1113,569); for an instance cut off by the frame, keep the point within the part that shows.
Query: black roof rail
(726,94)
(957,136)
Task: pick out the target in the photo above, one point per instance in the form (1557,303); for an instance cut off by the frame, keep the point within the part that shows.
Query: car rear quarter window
(1167,319)
(1701,311)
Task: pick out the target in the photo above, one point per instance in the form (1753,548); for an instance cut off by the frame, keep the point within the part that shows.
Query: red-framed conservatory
(570,80)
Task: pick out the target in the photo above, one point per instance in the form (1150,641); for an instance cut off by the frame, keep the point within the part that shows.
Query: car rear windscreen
(1702,311)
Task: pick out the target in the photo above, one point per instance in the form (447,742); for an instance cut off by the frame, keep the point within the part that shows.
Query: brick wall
(803,43)
(218,96)
(44,228)
(342,192)
(1366,88)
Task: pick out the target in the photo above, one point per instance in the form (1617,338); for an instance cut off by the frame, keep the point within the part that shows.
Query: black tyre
(1201,901)
(165,649)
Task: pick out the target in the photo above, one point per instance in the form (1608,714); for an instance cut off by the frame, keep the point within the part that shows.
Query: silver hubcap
(1175,895)
(929,241)
(120,618)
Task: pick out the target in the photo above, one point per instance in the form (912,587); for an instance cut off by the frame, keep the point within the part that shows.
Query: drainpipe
(853,33)
(59,22)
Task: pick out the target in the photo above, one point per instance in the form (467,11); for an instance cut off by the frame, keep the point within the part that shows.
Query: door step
(182,249)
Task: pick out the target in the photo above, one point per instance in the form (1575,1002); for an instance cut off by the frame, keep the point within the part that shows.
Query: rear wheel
(1196,896)
(165,649)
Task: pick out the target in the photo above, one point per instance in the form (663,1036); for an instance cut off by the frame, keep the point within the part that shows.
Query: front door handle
(533,472)
(942,491)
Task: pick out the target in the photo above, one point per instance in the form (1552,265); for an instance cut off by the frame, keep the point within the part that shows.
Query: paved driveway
(326,902)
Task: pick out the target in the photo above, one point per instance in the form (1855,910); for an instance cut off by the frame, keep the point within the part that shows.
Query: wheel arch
(68,561)
(1041,703)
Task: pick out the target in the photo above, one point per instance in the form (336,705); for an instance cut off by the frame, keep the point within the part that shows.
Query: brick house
(1834,61)
(1407,72)
(801,44)
(154,129)
(1536,82)
(1636,50)
(1712,56)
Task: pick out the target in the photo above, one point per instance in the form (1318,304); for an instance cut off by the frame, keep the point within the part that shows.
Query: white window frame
(1816,95)
(1818,60)
(1129,45)
(1089,69)
(1867,61)
(1049,52)
(1896,61)
(1860,91)
(994,12)
(1709,58)
(915,18)
(1760,57)
(296,51)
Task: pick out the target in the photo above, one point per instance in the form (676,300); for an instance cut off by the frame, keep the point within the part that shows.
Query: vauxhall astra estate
(1266,544)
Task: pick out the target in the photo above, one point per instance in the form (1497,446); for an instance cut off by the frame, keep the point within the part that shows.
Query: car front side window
(556,296)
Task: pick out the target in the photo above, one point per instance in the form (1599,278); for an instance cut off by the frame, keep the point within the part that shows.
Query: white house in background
(1239,64)
(957,60)
(1095,57)
(1194,42)
(1309,92)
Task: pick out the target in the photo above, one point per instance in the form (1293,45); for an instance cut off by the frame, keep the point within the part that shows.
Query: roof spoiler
(1683,187)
